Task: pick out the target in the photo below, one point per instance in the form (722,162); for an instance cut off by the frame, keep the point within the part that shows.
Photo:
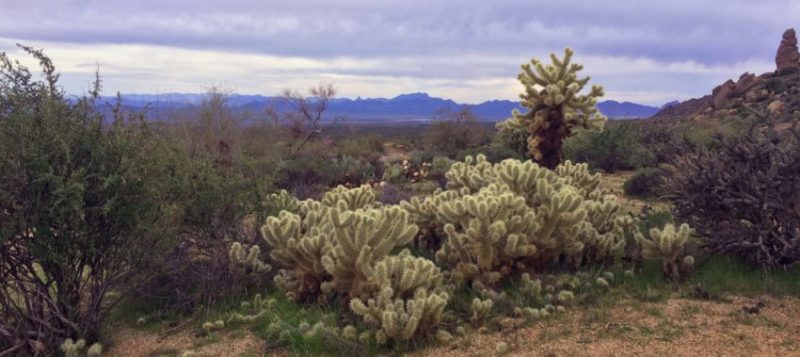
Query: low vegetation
(287,227)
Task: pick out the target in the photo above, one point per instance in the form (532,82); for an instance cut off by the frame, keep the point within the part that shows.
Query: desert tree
(304,118)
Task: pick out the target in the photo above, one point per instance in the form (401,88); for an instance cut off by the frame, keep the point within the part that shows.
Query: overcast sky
(469,50)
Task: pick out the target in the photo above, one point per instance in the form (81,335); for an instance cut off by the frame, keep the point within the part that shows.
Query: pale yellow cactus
(486,231)
(354,198)
(471,174)
(405,298)
(362,238)
(556,107)
(247,260)
(480,309)
(298,245)
(668,246)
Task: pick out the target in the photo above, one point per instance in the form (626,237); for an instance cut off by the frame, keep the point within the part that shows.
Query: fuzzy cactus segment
(362,237)
(405,298)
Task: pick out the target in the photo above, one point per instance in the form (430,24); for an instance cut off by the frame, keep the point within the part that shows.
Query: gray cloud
(705,31)
(443,41)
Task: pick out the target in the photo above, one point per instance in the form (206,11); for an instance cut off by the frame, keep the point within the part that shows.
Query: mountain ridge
(407,106)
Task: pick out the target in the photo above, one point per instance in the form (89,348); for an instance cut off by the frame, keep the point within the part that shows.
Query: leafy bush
(645,183)
(744,197)
(212,203)
(84,209)
(615,148)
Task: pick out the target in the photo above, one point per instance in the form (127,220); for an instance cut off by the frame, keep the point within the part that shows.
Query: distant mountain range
(405,107)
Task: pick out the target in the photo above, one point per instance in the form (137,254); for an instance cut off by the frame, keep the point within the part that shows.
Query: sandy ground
(678,327)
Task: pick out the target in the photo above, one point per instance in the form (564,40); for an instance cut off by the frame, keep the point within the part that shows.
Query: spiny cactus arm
(363,237)
(354,198)
(579,176)
(472,174)
(247,260)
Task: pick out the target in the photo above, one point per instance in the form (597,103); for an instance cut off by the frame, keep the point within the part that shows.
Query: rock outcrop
(788,58)
(721,93)
(776,93)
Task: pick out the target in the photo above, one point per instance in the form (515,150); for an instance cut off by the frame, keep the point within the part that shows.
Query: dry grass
(678,327)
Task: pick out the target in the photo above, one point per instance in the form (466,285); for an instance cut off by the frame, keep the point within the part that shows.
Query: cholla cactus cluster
(555,106)
(669,246)
(247,260)
(340,247)
(495,223)
(517,216)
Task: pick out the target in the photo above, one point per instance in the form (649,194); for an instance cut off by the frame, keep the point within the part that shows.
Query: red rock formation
(788,58)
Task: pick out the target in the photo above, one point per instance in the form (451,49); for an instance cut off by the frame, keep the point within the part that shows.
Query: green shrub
(85,208)
(645,183)
(615,148)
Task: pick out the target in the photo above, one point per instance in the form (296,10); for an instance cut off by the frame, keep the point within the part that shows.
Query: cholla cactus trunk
(548,153)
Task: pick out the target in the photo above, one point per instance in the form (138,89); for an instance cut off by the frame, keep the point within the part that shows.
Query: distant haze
(404,108)
(467,50)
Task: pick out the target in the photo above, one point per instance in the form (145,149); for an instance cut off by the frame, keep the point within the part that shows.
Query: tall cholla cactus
(555,107)
(298,245)
(668,245)
(406,299)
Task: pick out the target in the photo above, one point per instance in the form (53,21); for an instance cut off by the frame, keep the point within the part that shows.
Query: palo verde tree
(556,108)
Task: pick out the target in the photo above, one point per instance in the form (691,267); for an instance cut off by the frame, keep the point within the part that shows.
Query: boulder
(756,95)
(720,94)
(787,59)
(776,107)
(745,83)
